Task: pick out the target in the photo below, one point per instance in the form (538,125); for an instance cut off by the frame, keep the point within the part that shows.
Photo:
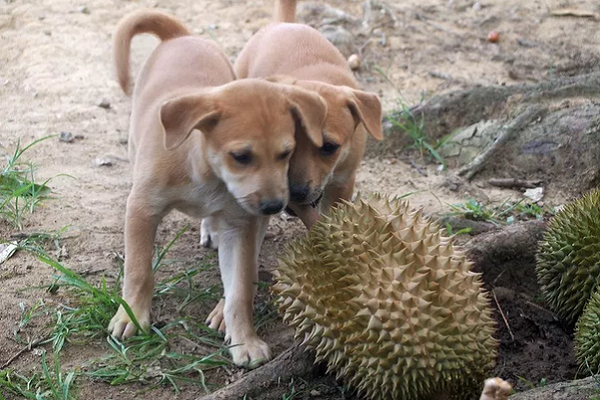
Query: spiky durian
(568,258)
(587,336)
(385,298)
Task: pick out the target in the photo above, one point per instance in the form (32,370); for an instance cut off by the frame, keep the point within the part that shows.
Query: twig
(513,182)
(29,347)
(503,316)
(367,16)
(422,18)
(506,132)
(419,170)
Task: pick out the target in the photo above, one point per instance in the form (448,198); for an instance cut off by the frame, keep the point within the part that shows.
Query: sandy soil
(55,66)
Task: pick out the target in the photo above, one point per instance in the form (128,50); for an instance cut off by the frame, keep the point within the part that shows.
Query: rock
(103,162)
(354,62)
(103,103)
(123,139)
(66,137)
(83,10)
(339,37)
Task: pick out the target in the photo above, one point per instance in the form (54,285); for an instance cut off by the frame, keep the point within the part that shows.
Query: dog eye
(242,158)
(284,155)
(329,148)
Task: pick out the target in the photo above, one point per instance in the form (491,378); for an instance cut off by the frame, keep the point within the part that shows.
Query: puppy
(206,145)
(298,55)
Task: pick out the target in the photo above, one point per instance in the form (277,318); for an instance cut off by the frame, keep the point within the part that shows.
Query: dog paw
(121,326)
(250,353)
(216,319)
(209,237)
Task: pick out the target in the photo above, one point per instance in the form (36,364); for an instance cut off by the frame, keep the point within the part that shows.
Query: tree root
(295,362)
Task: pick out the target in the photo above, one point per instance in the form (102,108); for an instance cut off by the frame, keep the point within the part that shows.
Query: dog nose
(269,207)
(298,193)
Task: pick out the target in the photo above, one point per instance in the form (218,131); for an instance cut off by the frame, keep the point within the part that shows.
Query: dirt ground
(55,66)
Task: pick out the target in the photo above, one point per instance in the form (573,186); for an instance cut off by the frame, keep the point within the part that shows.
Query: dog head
(313,163)
(248,129)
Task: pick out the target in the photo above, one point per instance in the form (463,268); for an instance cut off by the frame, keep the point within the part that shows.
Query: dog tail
(285,10)
(144,21)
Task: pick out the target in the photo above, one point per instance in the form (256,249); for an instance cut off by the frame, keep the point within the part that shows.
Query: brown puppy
(306,59)
(207,146)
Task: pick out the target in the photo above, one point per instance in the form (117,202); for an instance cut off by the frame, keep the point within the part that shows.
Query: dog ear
(310,110)
(180,116)
(366,108)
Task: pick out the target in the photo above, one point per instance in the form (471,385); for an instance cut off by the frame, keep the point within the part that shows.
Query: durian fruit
(568,258)
(587,336)
(385,298)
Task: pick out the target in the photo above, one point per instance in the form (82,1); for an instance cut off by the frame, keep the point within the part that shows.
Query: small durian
(587,336)
(568,258)
(388,302)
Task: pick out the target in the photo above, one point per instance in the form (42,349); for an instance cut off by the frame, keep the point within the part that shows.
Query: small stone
(66,137)
(103,162)
(314,393)
(123,140)
(354,62)
(103,103)
(198,31)
(477,6)
(493,37)
(83,10)
(48,33)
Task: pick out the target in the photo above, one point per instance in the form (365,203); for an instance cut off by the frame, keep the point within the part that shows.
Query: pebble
(477,6)
(103,162)
(493,37)
(103,103)
(83,10)
(66,137)
(354,62)
(314,393)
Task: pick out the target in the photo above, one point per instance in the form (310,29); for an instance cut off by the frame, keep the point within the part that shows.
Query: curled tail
(285,10)
(144,21)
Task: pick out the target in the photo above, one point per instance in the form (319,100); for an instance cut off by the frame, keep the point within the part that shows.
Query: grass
(406,122)
(504,214)
(155,358)
(50,384)
(19,192)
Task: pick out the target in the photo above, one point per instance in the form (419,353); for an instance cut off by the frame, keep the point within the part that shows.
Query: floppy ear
(310,110)
(180,116)
(366,108)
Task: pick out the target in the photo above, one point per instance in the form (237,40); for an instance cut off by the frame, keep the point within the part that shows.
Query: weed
(406,121)
(18,190)
(51,384)
(506,213)
(148,357)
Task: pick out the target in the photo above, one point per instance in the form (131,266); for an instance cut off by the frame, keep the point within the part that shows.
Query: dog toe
(251,354)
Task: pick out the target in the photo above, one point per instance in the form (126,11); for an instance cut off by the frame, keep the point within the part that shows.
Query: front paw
(209,236)
(121,326)
(216,319)
(250,353)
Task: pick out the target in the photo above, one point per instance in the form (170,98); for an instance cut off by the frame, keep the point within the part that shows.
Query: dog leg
(334,194)
(138,283)
(215,319)
(238,261)
(209,232)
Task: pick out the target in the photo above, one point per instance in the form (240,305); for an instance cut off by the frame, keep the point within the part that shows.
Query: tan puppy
(305,58)
(207,146)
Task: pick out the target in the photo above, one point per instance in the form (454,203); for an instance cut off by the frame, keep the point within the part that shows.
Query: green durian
(568,258)
(587,336)
(388,302)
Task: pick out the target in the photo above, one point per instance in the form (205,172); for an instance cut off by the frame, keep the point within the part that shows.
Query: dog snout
(298,193)
(269,207)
